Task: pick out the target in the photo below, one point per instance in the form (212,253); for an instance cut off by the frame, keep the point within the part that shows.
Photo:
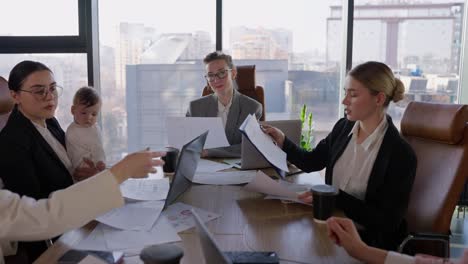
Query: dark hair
(378,77)
(86,96)
(219,55)
(21,71)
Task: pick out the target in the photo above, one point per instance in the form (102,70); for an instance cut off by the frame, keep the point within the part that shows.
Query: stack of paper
(139,224)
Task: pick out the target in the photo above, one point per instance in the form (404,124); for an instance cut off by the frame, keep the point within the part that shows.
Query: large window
(39,18)
(151,67)
(288,43)
(151,51)
(421,42)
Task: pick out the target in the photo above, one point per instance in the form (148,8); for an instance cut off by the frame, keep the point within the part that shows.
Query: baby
(83,137)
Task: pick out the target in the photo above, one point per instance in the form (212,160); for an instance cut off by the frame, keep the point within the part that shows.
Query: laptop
(213,254)
(185,169)
(251,158)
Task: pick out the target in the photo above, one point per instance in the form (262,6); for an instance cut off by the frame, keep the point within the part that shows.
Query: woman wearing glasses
(33,158)
(226,102)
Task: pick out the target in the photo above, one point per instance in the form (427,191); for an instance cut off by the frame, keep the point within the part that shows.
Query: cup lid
(324,189)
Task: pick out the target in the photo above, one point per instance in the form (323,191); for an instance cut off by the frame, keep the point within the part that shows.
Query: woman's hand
(305,197)
(343,232)
(137,165)
(276,134)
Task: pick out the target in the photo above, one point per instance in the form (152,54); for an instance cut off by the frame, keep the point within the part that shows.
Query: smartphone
(74,256)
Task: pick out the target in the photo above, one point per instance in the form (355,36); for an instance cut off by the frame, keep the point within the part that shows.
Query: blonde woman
(364,157)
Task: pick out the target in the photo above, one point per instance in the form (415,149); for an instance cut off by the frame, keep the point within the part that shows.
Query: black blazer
(29,166)
(388,188)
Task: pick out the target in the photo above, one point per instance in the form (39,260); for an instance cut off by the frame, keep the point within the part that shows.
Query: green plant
(307,129)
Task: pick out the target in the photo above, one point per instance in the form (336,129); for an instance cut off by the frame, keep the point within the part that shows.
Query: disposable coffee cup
(170,160)
(324,197)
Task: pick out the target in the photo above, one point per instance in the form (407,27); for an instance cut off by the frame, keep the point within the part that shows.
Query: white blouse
(223,111)
(352,170)
(58,148)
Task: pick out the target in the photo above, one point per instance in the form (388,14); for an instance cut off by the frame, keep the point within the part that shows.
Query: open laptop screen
(186,167)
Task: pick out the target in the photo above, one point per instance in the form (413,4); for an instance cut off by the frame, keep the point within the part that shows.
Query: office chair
(246,85)
(438,134)
(6,102)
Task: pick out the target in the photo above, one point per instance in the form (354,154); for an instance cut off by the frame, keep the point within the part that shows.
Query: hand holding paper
(265,145)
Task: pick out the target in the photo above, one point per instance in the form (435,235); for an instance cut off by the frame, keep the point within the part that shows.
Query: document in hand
(183,129)
(264,144)
(262,183)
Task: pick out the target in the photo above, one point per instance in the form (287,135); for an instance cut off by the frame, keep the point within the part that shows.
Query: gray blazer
(241,106)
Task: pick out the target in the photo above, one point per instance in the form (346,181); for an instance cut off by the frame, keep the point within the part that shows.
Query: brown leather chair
(438,134)
(6,102)
(246,85)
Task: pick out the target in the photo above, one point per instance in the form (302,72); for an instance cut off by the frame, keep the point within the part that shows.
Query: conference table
(248,222)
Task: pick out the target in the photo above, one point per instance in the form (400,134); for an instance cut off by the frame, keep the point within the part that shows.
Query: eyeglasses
(41,93)
(211,77)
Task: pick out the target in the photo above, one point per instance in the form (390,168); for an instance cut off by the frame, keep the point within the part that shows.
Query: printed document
(180,216)
(264,143)
(182,130)
(145,189)
(133,216)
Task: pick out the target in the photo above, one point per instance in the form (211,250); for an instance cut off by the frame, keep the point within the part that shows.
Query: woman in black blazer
(30,165)
(374,191)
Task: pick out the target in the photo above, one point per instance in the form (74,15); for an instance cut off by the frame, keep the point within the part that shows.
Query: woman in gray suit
(226,102)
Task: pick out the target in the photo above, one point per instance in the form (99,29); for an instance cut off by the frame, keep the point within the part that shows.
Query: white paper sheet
(106,238)
(264,143)
(145,189)
(224,177)
(236,163)
(133,216)
(162,232)
(205,165)
(264,184)
(94,241)
(184,129)
(180,216)
(297,188)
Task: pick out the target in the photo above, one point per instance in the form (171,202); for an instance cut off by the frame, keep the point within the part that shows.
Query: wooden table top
(247,223)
